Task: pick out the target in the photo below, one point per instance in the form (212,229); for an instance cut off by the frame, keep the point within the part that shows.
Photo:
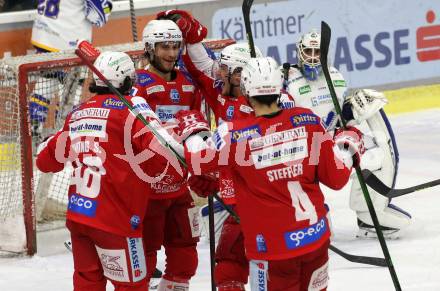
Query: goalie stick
(324,48)
(375,183)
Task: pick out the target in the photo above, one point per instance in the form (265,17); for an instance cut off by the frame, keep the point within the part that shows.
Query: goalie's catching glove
(192,30)
(349,146)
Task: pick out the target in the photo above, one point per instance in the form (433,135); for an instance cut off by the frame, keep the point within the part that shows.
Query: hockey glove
(191,122)
(203,185)
(365,103)
(98,11)
(192,30)
(349,146)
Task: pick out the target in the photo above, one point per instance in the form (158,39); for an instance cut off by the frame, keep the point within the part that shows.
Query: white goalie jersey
(315,94)
(363,110)
(61,23)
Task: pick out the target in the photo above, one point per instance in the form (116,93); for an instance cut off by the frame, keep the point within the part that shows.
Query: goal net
(36,94)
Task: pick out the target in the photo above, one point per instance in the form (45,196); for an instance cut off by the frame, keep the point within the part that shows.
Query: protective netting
(50,84)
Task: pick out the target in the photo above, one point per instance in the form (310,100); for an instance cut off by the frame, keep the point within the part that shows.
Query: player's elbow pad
(98,11)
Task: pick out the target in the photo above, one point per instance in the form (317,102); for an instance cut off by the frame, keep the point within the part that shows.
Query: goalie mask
(262,77)
(308,53)
(163,30)
(116,67)
(235,56)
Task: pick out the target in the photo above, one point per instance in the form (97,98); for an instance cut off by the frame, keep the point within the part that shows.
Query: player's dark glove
(203,185)
(192,30)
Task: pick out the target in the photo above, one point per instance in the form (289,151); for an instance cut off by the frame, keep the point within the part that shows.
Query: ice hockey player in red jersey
(219,81)
(278,158)
(172,217)
(107,198)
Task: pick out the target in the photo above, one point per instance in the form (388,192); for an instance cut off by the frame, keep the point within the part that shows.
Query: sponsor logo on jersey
(82,205)
(137,259)
(188,88)
(285,173)
(339,83)
(114,264)
(321,99)
(230,112)
(245,133)
(155,89)
(135,220)
(305,236)
(167,113)
(166,185)
(144,79)
(319,278)
(258,275)
(279,154)
(303,119)
(174,96)
(88,127)
(304,89)
(113,104)
(246,109)
(91,112)
(278,137)
(261,244)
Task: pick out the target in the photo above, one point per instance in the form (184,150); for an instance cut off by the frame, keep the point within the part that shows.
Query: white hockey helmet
(237,55)
(308,52)
(163,30)
(261,76)
(115,66)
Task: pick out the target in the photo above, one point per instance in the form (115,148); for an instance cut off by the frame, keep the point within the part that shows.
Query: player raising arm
(278,159)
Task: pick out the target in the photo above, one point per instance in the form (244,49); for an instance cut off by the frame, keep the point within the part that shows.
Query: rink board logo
(113,104)
(82,205)
(304,119)
(144,79)
(167,113)
(305,236)
(245,133)
(280,154)
(137,259)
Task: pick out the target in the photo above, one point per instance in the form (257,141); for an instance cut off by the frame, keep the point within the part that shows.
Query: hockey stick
(133,21)
(324,48)
(375,183)
(374,261)
(85,52)
(246,9)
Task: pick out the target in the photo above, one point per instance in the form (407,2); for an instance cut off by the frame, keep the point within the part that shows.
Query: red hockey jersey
(277,163)
(166,98)
(225,108)
(109,183)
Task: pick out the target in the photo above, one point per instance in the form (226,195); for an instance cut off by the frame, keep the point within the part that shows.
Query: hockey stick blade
(246,9)
(377,185)
(380,262)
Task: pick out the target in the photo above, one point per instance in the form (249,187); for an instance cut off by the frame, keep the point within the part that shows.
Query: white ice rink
(416,256)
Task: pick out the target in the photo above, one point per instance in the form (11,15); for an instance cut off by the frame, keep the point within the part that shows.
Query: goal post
(36,93)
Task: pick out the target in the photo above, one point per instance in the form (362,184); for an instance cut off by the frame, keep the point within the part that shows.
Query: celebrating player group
(277,138)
